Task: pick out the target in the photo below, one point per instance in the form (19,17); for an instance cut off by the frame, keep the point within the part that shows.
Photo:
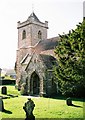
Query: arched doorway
(34,84)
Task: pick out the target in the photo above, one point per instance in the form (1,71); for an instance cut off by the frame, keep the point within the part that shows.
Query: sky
(62,16)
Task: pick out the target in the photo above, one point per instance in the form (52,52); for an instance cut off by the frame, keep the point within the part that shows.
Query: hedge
(7,82)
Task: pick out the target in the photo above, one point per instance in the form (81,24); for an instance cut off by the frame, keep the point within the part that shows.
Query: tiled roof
(48,60)
(48,52)
(45,49)
(46,45)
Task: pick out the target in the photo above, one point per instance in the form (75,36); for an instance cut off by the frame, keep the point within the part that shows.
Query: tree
(70,54)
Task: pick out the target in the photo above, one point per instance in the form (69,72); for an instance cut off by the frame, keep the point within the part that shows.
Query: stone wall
(26,45)
(20,55)
(36,65)
(51,88)
(35,29)
(32,28)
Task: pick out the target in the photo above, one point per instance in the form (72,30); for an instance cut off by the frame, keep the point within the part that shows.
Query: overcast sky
(62,16)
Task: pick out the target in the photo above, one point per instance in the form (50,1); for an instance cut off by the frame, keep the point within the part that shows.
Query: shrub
(23,89)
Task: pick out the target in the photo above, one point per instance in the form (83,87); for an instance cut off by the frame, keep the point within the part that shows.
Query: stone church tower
(35,57)
(30,32)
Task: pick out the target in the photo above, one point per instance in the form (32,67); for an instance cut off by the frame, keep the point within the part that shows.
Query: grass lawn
(44,107)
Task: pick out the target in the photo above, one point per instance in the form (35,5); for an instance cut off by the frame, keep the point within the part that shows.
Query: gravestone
(4,90)
(1,105)
(69,101)
(28,108)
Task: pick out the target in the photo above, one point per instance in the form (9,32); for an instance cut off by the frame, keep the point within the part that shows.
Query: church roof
(33,16)
(45,49)
(46,45)
(48,60)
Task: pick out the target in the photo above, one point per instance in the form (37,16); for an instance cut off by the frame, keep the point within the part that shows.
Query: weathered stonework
(35,57)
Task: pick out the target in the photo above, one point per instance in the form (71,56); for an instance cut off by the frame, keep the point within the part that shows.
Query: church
(35,57)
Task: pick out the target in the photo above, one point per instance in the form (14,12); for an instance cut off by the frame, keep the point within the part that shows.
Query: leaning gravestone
(4,90)
(1,105)
(69,101)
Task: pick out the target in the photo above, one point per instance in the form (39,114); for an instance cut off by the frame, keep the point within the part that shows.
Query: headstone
(69,101)
(4,90)
(1,105)
(28,108)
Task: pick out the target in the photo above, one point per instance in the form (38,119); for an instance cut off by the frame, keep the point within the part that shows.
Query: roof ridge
(24,58)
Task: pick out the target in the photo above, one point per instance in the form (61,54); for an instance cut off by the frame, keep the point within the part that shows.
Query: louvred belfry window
(39,35)
(23,34)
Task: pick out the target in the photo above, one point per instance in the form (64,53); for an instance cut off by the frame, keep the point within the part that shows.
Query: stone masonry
(35,57)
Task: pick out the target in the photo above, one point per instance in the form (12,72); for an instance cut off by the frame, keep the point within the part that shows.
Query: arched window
(23,34)
(39,35)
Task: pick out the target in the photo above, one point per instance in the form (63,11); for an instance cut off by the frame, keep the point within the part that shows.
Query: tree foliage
(70,54)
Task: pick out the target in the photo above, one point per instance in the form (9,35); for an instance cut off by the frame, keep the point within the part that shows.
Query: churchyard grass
(44,107)
(11,90)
